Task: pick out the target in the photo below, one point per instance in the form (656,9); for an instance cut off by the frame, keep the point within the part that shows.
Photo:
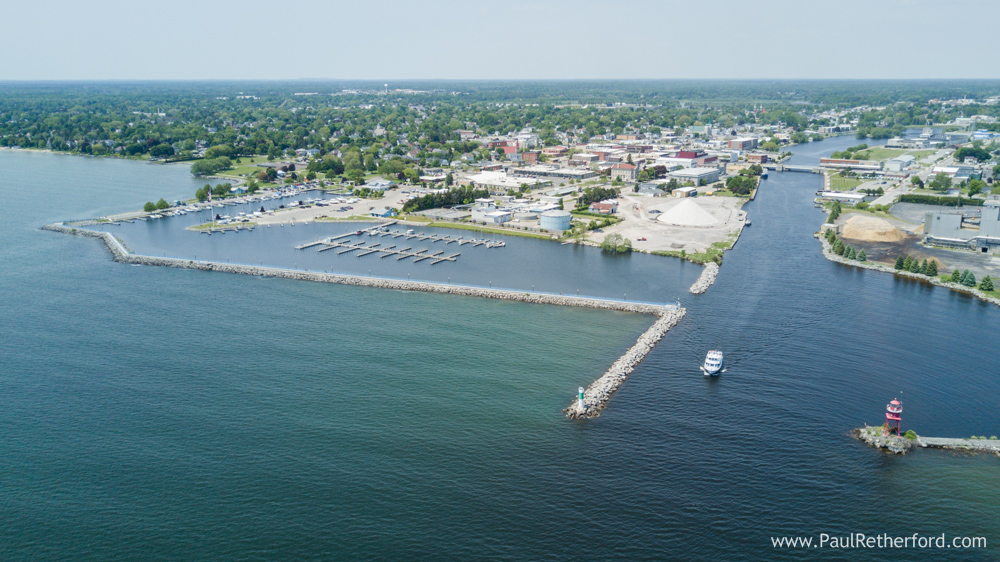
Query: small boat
(713,363)
(748,222)
(409,231)
(763,176)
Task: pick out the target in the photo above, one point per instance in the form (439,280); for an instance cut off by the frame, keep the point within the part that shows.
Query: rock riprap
(706,279)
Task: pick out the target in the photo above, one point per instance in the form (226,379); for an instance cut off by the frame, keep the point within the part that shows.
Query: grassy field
(878,153)
(921,154)
(840,183)
(247,165)
(486,230)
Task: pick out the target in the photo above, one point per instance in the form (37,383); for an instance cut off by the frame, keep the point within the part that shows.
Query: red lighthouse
(893,414)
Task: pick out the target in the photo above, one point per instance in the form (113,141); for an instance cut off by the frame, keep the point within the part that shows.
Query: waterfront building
(950,229)
(842,163)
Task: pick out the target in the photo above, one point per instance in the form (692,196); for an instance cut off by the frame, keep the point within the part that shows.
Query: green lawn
(921,154)
(247,165)
(878,153)
(840,183)
(486,230)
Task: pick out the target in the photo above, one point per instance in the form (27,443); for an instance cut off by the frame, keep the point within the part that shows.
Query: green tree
(907,263)
(915,266)
(162,204)
(161,150)
(956,276)
(838,247)
(970,280)
(560,203)
(900,263)
(932,268)
(202,193)
(149,207)
(862,256)
(923,267)
(986,284)
(941,182)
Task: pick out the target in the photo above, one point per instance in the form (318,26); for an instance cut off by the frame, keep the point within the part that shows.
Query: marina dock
(381,231)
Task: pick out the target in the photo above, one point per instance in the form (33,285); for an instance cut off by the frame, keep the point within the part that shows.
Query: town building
(867,165)
(742,144)
(949,229)
(899,163)
(624,172)
(604,207)
(699,176)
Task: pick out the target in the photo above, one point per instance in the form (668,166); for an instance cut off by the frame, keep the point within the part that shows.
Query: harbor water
(163,413)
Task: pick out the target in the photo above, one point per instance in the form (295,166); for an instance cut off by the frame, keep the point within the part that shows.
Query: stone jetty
(597,395)
(120,254)
(706,279)
(893,444)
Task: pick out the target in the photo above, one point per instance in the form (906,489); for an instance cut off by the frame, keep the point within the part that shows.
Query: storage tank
(526,216)
(555,220)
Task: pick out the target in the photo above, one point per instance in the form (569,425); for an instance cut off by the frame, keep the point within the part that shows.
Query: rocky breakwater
(120,254)
(706,279)
(893,444)
(597,395)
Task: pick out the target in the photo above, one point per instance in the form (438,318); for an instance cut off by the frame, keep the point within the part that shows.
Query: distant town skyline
(547,39)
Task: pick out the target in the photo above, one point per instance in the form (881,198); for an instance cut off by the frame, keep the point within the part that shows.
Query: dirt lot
(887,252)
(641,221)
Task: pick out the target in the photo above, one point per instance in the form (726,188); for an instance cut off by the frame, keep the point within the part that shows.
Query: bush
(910,434)
(615,243)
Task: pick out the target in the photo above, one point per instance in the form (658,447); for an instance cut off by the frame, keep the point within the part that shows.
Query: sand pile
(688,213)
(871,229)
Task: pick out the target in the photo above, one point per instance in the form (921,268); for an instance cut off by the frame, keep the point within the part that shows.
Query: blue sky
(511,39)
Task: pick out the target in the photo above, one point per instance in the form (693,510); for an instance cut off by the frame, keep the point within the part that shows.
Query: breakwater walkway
(894,444)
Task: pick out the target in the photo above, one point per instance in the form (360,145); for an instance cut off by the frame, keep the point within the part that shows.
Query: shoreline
(958,288)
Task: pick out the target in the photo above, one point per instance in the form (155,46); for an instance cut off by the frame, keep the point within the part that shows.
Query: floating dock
(380,231)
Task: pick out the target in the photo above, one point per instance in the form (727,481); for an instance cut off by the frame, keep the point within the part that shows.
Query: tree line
(463,195)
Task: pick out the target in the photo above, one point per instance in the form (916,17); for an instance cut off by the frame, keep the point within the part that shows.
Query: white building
(700,176)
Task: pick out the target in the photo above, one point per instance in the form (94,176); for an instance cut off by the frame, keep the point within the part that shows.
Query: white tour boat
(713,363)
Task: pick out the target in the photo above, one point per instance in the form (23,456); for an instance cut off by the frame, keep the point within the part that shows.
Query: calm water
(171,414)
(523,264)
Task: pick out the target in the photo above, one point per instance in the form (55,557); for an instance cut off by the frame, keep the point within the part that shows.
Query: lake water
(159,413)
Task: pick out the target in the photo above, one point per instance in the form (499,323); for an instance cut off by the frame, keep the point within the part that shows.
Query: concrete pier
(893,444)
